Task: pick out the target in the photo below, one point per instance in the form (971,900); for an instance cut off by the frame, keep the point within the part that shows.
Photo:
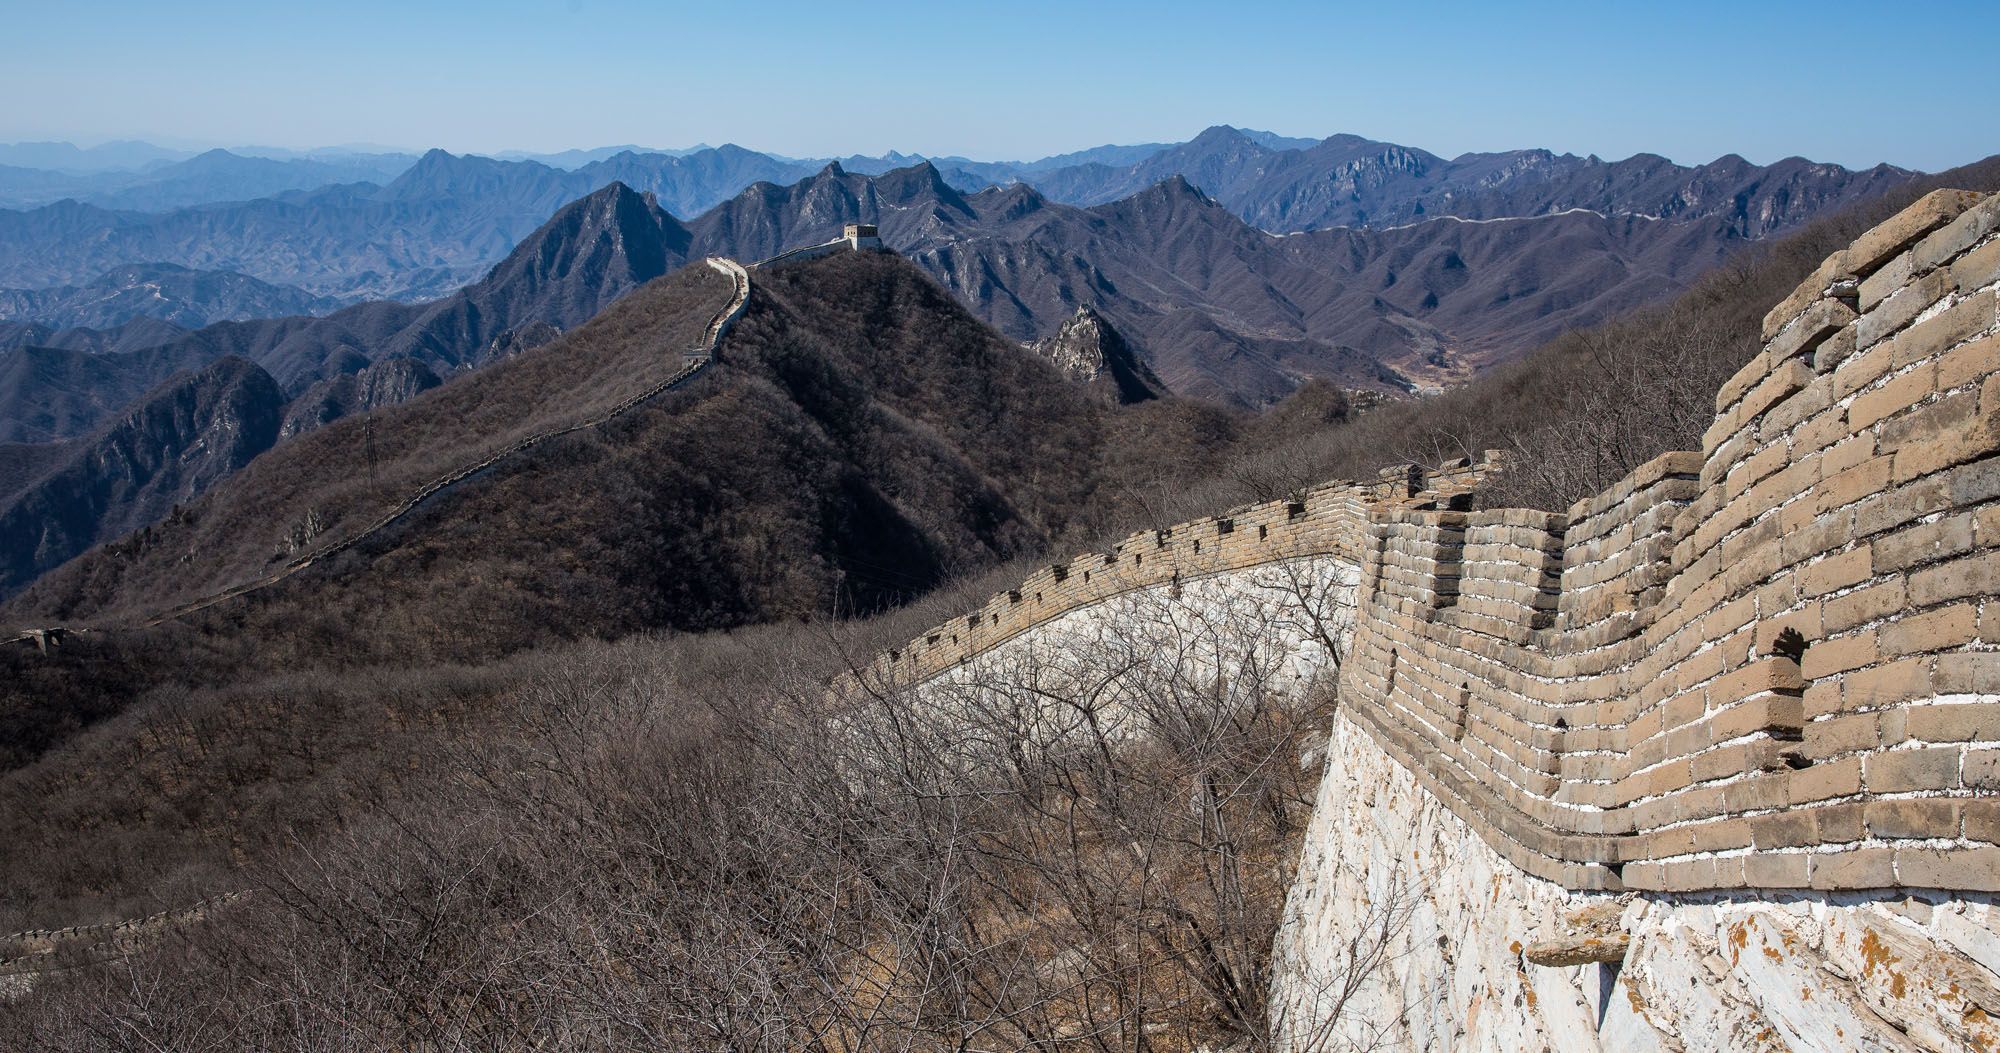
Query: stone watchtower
(861,236)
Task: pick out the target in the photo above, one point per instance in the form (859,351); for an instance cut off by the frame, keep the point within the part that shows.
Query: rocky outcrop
(1089,351)
(382,384)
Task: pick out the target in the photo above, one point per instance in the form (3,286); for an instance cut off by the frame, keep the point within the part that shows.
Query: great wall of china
(1727,733)
(1707,761)
(694,360)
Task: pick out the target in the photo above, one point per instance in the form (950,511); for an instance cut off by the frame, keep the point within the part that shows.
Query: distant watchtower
(861,236)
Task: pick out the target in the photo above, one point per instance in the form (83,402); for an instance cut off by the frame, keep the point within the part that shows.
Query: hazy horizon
(1034,80)
(197,146)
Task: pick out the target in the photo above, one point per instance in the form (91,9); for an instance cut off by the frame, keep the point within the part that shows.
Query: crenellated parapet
(1771,664)
(1326,521)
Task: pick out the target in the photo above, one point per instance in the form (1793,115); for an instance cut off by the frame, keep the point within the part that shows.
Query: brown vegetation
(467,832)
(682,845)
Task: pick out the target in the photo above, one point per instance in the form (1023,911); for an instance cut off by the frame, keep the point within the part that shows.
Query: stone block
(1838,572)
(1912,818)
(1969,722)
(1908,770)
(1832,271)
(1787,829)
(1969,363)
(1840,824)
(1898,394)
(1936,630)
(1885,282)
(1851,485)
(1902,680)
(1857,371)
(1777,870)
(1977,575)
(1896,311)
(1825,780)
(1859,607)
(1981,768)
(1951,241)
(1967,673)
(1873,249)
(1786,380)
(1982,820)
(1957,869)
(1970,317)
(1842,733)
(1978,268)
(1860,868)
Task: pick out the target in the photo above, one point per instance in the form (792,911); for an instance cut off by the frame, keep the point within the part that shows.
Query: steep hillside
(186,298)
(170,445)
(384,383)
(338,477)
(1581,411)
(50,394)
(1089,351)
(863,440)
(591,252)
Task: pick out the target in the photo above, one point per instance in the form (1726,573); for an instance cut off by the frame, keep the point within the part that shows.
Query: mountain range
(1348,181)
(1217,307)
(588,254)
(1221,309)
(96,444)
(861,439)
(134,391)
(164,292)
(454,216)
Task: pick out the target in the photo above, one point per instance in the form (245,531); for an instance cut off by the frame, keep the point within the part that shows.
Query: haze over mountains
(317,222)
(140,385)
(590,253)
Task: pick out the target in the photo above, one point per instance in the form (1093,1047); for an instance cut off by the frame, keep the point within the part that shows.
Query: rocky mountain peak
(1089,351)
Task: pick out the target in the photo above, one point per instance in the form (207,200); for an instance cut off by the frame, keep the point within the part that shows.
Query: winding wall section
(1773,664)
(694,360)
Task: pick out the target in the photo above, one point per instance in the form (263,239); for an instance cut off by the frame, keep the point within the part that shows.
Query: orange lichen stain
(1805,994)
(1514,948)
(1976,1018)
(1874,954)
(1638,1003)
(1772,953)
(1739,937)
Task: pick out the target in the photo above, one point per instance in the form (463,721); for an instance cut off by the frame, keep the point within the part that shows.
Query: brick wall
(1773,664)
(1769,665)
(1329,520)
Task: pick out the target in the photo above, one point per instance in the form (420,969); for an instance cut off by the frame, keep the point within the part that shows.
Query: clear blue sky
(1852,83)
